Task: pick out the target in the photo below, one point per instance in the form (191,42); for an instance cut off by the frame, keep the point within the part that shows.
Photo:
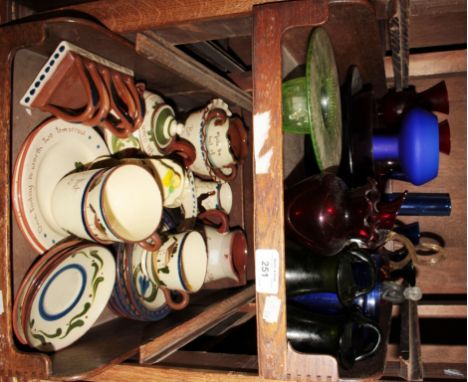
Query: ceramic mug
(179,264)
(227,249)
(220,141)
(67,202)
(118,204)
(213,195)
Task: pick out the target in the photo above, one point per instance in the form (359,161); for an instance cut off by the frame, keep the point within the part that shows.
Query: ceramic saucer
(71,297)
(51,151)
(29,278)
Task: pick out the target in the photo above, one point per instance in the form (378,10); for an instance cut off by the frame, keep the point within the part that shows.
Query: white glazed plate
(71,298)
(52,150)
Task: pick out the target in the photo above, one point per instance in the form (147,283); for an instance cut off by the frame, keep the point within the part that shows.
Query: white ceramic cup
(67,202)
(124,204)
(117,204)
(213,195)
(180,263)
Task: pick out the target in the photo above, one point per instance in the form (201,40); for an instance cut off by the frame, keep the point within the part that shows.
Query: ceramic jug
(227,248)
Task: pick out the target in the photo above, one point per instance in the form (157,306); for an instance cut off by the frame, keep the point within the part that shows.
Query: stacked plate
(135,296)
(54,149)
(63,294)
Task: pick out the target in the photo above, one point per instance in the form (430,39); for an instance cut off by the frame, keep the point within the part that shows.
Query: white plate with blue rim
(70,297)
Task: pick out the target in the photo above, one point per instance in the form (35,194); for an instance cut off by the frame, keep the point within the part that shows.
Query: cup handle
(227,178)
(377,344)
(238,134)
(138,100)
(151,247)
(206,218)
(124,125)
(361,256)
(172,304)
(218,114)
(183,148)
(104,100)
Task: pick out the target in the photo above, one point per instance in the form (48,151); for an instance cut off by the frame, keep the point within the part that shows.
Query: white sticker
(267,271)
(271,309)
(261,131)
(1,302)
(453,373)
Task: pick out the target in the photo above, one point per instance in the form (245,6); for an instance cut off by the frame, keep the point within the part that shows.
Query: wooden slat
(434,353)
(173,339)
(433,23)
(434,371)
(442,311)
(207,360)
(124,16)
(125,373)
(272,20)
(437,64)
(158,50)
(207,30)
(436,311)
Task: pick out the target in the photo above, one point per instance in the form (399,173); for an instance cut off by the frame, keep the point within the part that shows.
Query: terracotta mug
(227,249)
(179,265)
(117,204)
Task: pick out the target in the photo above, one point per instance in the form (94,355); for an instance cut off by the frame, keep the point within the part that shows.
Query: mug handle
(90,107)
(104,101)
(238,134)
(227,178)
(369,325)
(171,303)
(124,124)
(151,247)
(363,257)
(206,216)
(183,148)
(138,100)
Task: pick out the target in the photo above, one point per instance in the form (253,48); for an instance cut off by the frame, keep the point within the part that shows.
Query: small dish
(31,275)
(54,149)
(69,297)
